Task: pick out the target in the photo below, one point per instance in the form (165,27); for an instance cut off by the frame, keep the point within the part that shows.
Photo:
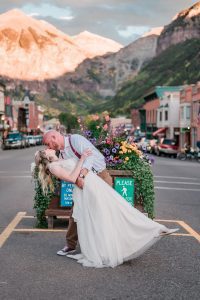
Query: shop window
(166,115)
(188,112)
(160,115)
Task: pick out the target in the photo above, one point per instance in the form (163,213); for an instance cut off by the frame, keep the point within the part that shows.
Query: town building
(190,115)
(195,119)
(2,105)
(159,115)
(185,115)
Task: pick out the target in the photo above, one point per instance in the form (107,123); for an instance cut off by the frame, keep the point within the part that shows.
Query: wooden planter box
(54,209)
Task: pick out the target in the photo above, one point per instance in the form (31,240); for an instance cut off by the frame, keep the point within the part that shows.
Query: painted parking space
(12,228)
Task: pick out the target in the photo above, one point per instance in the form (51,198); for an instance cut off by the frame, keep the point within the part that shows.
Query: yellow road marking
(190,230)
(9,229)
(12,228)
(38,230)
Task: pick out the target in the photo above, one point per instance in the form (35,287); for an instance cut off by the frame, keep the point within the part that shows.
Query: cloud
(133,30)
(66,18)
(120,20)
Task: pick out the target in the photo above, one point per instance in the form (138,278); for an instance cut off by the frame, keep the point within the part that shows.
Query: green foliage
(69,121)
(41,201)
(94,75)
(144,184)
(178,65)
(121,155)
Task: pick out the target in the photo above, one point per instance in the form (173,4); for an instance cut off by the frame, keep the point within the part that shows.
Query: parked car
(167,147)
(32,140)
(38,139)
(27,144)
(14,140)
(144,144)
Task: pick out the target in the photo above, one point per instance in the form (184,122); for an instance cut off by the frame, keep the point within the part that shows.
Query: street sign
(125,187)
(66,194)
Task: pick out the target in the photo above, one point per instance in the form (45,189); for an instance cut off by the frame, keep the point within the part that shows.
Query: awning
(159,131)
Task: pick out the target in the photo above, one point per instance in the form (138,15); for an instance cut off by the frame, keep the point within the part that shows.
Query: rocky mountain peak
(184,26)
(155,31)
(190,12)
(32,49)
(95,43)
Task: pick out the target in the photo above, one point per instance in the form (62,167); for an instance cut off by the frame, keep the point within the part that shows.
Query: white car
(32,140)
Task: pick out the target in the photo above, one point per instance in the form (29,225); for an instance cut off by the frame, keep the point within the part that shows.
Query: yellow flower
(126,158)
(129,151)
(120,152)
(124,150)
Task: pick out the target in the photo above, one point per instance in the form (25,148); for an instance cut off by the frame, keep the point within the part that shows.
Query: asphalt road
(30,268)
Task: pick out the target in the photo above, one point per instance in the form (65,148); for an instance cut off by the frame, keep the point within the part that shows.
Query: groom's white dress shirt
(96,161)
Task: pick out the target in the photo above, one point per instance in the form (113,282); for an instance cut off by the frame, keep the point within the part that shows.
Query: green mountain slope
(178,65)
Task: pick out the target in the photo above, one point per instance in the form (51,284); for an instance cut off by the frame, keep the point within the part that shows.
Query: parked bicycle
(189,153)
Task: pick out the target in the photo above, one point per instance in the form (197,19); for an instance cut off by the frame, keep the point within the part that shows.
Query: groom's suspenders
(75,152)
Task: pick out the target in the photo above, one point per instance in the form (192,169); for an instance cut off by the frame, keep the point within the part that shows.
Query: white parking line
(16,176)
(188,178)
(175,189)
(177,182)
(14,172)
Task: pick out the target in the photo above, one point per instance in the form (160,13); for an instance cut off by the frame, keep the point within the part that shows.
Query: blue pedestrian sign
(66,194)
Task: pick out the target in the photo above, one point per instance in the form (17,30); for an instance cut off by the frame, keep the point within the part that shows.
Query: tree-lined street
(30,268)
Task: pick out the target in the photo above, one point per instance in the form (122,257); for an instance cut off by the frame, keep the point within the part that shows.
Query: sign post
(125,187)
(66,194)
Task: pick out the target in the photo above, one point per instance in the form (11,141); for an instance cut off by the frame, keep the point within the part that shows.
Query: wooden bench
(54,210)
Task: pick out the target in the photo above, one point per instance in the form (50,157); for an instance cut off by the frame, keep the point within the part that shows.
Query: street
(30,268)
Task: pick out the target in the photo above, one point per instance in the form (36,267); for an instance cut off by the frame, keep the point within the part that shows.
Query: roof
(160,90)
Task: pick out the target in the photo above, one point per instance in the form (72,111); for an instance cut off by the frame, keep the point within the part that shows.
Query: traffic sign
(66,194)
(125,187)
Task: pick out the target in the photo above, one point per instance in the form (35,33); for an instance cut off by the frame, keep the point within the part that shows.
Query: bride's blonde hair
(44,175)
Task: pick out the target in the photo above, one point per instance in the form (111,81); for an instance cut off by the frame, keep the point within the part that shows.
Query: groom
(73,146)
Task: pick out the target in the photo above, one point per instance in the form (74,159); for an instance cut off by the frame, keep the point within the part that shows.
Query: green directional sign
(125,187)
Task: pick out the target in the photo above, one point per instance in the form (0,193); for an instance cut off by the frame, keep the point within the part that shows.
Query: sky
(120,20)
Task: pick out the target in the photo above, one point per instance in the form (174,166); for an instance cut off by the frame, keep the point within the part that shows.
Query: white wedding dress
(110,230)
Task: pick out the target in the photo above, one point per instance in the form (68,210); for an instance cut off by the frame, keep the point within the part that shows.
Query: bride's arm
(62,174)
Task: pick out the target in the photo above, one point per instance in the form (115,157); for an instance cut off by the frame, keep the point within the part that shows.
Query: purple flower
(107,152)
(111,157)
(114,150)
(88,133)
(117,145)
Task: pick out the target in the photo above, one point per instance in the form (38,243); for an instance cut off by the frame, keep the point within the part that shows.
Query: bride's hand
(86,153)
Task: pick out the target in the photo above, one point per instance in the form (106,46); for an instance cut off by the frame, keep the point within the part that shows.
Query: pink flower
(105,127)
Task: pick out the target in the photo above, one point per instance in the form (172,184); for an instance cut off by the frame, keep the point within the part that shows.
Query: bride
(110,230)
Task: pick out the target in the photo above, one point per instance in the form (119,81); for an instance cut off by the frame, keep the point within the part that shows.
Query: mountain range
(88,72)
(33,49)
